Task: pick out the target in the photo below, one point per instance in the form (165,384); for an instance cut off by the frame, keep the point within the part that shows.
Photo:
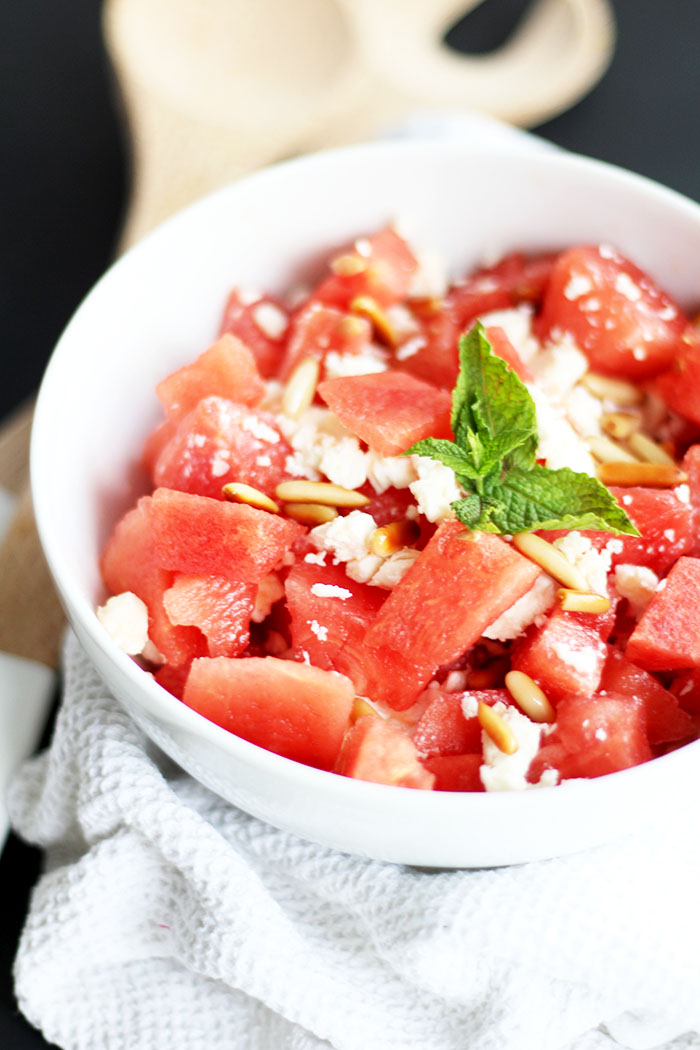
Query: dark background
(63,186)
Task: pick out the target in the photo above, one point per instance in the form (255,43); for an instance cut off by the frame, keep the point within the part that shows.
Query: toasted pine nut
(300,388)
(649,451)
(237,492)
(652,475)
(388,539)
(362,707)
(550,559)
(582,601)
(426,306)
(488,677)
(497,728)
(310,513)
(607,451)
(348,265)
(529,697)
(366,306)
(620,425)
(320,492)
(606,388)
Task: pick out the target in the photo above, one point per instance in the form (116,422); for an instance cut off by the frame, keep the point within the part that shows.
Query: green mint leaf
(524,500)
(492,412)
(446,452)
(468,510)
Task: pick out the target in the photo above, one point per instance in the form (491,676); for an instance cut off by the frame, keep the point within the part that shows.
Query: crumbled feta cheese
(538,600)
(470,705)
(682,492)
(363,569)
(260,429)
(125,618)
(410,348)
(263,461)
(323,445)
(578,285)
(456,682)
(271,321)
(637,584)
(344,463)
(366,363)
(435,489)
(593,564)
(548,778)
(220,463)
(583,660)
(516,322)
(315,558)
(319,630)
(384,472)
(270,590)
(558,444)
(346,537)
(559,367)
(626,286)
(394,568)
(501,772)
(329,590)
(583,411)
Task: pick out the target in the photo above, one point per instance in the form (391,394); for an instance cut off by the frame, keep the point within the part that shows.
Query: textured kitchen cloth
(169,920)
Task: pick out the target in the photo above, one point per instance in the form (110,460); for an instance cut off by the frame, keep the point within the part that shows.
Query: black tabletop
(63,185)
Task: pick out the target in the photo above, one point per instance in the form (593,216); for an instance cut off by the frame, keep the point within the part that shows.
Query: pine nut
(391,538)
(550,559)
(529,697)
(310,513)
(497,728)
(620,425)
(300,388)
(607,451)
(649,451)
(237,492)
(319,492)
(361,708)
(582,601)
(348,265)
(651,475)
(605,388)
(366,306)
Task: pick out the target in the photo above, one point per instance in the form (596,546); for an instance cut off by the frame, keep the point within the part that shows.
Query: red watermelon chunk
(665,720)
(564,655)
(317,329)
(219,606)
(248,318)
(293,709)
(503,348)
(443,730)
(460,584)
(129,563)
(433,355)
(389,410)
(208,537)
(324,623)
(218,442)
(686,688)
(384,753)
(679,386)
(455,772)
(667,637)
(382,267)
(514,279)
(173,678)
(227,369)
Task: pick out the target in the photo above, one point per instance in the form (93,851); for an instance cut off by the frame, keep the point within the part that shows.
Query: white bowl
(160,306)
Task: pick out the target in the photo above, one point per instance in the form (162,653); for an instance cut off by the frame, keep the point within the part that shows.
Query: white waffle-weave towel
(169,920)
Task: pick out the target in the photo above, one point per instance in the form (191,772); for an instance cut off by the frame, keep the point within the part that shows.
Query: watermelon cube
(384,753)
(564,655)
(226,369)
(248,318)
(443,730)
(290,708)
(667,636)
(382,267)
(220,607)
(318,329)
(665,720)
(455,772)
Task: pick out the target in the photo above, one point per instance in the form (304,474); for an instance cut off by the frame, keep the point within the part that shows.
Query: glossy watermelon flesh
(385,268)
(227,369)
(455,772)
(686,688)
(460,584)
(129,563)
(220,607)
(679,386)
(667,637)
(324,623)
(220,441)
(389,410)
(443,729)
(242,319)
(383,753)
(208,537)
(317,329)
(665,721)
(293,709)
(565,655)
(515,279)
(503,348)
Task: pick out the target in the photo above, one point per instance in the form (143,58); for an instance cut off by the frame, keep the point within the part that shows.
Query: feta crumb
(559,366)
(682,492)
(394,568)
(319,630)
(670,534)
(344,463)
(329,590)
(470,705)
(593,564)
(271,321)
(315,558)
(384,472)
(220,464)
(578,285)
(600,734)
(260,429)
(435,489)
(125,618)
(263,461)
(626,286)
(559,444)
(538,600)
(346,537)
(410,348)
(361,570)
(368,362)
(501,772)
(516,322)
(270,590)
(637,584)
(549,778)
(456,682)
(583,660)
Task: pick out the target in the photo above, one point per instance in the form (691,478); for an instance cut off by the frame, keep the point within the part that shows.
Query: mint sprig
(494,451)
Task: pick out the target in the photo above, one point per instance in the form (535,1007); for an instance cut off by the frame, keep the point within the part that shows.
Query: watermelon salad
(433,534)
